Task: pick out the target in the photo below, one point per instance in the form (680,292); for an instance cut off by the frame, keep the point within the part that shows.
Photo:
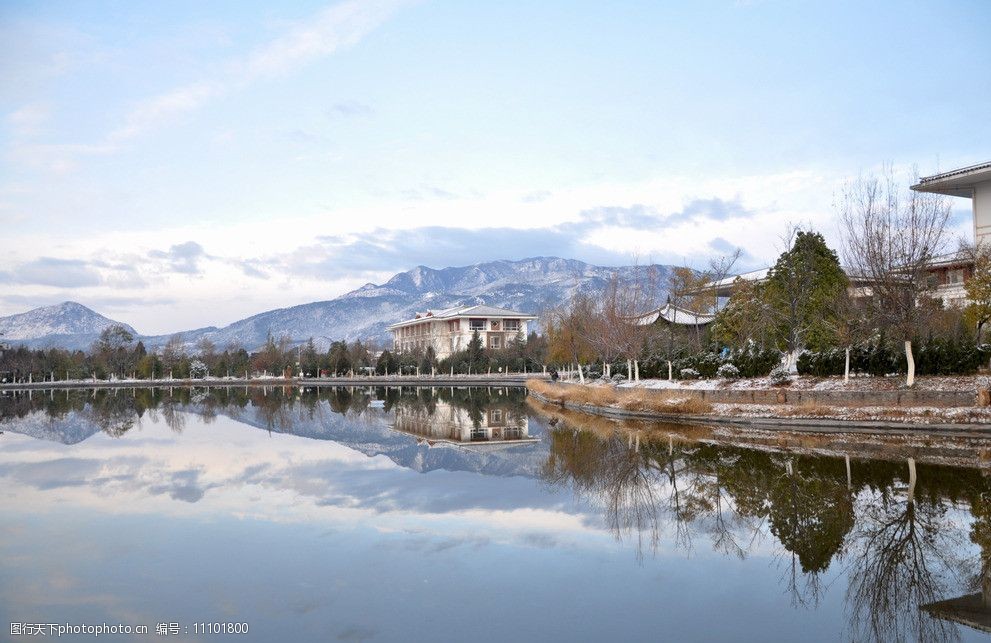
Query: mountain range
(529,285)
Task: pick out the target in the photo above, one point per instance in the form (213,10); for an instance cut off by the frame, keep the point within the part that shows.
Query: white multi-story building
(450,330)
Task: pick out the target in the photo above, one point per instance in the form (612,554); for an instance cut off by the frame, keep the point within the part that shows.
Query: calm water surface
(469,514)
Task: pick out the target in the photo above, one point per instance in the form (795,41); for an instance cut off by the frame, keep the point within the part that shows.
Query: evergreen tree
(802,291)
(475,353)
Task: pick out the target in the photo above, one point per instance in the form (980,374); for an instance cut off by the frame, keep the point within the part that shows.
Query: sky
(183,164)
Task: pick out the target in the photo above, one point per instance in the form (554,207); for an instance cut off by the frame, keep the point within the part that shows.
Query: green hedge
(934,356)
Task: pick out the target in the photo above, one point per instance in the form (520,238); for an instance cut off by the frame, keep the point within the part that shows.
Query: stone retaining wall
(837,398)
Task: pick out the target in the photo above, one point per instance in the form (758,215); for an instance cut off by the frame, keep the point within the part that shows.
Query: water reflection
(898,530)
(891,539)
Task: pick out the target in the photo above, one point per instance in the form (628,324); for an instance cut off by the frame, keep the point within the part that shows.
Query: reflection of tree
(170,409)
(900,553)
(114,414)
(612,472)
(904,550)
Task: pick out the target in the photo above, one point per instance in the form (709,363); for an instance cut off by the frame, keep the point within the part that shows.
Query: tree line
(116,355)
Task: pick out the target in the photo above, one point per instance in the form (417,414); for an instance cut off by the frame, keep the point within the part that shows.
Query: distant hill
(528,285)
(68,325)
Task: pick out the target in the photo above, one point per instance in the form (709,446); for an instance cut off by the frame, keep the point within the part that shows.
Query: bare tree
(570,332)
(173,352)
(891,240)
(625,302)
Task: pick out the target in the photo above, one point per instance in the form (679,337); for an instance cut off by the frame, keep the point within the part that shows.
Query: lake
(403,514)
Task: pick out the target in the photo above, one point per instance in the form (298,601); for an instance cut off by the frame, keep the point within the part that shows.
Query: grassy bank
(669,403)
(650,400)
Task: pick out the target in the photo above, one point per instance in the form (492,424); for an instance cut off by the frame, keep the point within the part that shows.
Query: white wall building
(974,183)
(949,273)
(450,330)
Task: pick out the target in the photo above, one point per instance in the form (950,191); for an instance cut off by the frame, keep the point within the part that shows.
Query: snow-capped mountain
(528,285)
(68,324)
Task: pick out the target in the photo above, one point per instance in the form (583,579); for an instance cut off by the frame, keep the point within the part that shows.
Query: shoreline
(606,402)
(505,380)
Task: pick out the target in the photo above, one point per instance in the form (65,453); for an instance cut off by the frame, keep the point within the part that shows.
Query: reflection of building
(973,610)
(454,424)
(450,330)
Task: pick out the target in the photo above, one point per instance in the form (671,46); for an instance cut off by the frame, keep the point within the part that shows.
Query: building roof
(959,258)
(959,182)
(724,287)
(675,315)
(459,312)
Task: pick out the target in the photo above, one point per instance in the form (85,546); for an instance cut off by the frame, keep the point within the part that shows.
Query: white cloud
(336,27)
(29,119)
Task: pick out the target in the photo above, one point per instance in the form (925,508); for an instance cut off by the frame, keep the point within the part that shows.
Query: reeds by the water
(656,401)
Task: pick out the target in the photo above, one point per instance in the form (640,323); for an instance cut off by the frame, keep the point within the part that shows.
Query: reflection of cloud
(435,544)
(53,474)
(355,633)
(183,485)
(540,540)
(154,470)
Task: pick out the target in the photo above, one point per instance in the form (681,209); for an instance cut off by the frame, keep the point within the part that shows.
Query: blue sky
(182,164)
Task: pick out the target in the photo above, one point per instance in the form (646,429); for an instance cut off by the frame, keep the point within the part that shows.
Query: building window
(512,324)
(495,342)
(955,276)
(476,324)
(495,324)
(453,326)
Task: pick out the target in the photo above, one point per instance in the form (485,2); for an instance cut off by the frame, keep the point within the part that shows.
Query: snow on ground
(912,414)
(808,383)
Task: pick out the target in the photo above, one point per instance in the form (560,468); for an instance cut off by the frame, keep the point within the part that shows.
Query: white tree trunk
(581,373)
(629,370)
(670,371)
(910,380)
(911,479)
(636,370)
(846,369)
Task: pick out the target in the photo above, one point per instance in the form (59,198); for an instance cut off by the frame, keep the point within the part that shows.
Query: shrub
(197,369)
(618,377)
(754,361)
(779,375)
(728,372)
(689,374)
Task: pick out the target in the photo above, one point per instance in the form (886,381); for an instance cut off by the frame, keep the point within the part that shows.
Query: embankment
(821,411)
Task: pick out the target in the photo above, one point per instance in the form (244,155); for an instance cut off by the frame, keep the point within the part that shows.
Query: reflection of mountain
(343,416)
(370,433)
(72,428)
